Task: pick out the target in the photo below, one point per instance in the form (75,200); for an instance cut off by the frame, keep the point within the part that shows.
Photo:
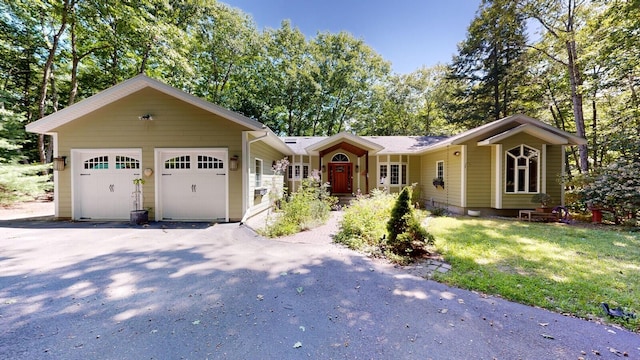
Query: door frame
(331,168)
(157,153)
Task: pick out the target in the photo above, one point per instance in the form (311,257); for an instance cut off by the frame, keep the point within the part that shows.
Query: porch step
(344,199)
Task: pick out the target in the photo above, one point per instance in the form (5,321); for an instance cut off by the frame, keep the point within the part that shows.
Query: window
(440,169)
(178,162)
(340,157)
(209,162)
(125,162)
(100,162)
(258,172)
(404,174)
(383,174)
(294,172)
(522,173)
(395,174)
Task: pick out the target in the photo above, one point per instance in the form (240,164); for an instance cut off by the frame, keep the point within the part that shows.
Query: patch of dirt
(27,209)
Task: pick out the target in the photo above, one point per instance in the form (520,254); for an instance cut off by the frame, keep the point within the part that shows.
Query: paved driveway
(188,291)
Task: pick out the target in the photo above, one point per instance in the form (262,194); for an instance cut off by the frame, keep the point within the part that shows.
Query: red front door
(340,177)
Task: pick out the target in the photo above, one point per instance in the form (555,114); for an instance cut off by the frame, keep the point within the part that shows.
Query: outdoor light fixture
(324,168)
(59,163)
(233,163)
(148,172)
(456,153)
(145,117)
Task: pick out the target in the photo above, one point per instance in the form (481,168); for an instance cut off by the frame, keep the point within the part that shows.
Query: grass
(563,268)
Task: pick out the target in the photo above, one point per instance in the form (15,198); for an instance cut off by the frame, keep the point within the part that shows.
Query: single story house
(201,162)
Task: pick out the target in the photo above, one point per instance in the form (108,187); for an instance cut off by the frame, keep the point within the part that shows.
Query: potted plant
(544,200)
(138,216)
(438,182)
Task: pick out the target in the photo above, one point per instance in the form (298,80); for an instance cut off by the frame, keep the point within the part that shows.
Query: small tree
(137,194)
(407,236)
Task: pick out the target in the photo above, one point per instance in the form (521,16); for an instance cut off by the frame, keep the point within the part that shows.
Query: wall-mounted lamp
(148,172)
(456,153)
(145,117)
(357,167)
(324,168)
(59,163)
(233,163)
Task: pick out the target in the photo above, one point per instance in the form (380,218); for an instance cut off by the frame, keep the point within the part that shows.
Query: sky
(408,33)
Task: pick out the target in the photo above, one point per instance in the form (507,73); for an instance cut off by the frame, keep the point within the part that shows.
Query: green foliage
(307,208)
(542,199)
(400,215)
(438,211)
(615,188)
(363,224)
(407,238)
(488,68)
(383,225)
(23,182)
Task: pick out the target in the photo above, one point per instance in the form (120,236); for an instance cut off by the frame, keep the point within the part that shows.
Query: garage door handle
(166,174)
(223,174)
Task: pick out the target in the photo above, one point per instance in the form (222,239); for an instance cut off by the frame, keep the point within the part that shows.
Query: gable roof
(49,123)
(380,145)
(534,127)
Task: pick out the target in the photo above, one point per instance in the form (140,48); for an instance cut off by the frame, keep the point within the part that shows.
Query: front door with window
(341,177)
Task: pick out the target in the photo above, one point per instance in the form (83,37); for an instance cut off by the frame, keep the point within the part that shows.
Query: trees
(489,67)
(562,20)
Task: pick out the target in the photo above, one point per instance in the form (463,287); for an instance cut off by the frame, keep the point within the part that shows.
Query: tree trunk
(46,75)
(575,80)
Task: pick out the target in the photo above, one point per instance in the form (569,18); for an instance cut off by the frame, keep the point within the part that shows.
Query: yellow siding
(175,124)
(451,194)
(480,175)
(270,181)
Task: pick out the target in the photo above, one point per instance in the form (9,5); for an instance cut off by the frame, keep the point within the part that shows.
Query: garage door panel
(104,184)
(193,184)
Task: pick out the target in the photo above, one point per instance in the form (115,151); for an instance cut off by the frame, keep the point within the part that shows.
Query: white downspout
(247,171)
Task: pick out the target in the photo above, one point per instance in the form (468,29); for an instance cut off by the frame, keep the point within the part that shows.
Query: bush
(307,208)
(615,188)
(23,182)
(407,237)
(363,224)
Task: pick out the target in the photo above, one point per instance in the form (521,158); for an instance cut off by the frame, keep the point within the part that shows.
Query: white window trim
(343,154)
(259,180)
(438,169)
(515,185)
(387,180)
(291,175)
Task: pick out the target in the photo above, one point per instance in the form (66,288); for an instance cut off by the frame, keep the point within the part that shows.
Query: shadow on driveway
(221,291)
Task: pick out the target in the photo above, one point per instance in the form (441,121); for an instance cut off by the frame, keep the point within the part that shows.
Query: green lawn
(564,268)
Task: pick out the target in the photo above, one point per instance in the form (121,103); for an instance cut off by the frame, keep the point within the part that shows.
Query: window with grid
(395,174)
(258,168)
(440,169)
(125,162)
(209,162)
(383,173)
(522,173)
(99,162)
(178,162)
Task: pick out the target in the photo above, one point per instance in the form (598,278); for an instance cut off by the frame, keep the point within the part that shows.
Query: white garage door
(103,183)
(192,184)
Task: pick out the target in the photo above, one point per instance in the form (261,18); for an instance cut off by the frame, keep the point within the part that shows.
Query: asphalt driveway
(191,291)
